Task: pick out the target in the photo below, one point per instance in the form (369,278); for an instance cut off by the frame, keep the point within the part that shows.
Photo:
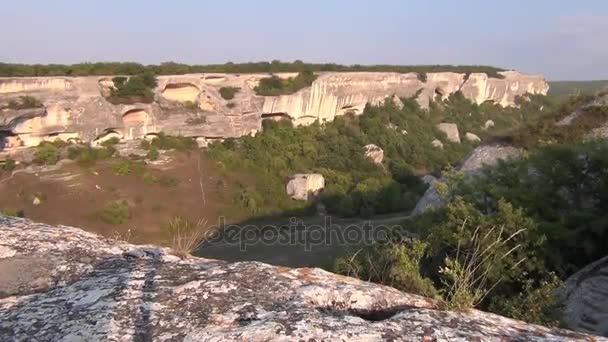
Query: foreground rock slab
(63,284)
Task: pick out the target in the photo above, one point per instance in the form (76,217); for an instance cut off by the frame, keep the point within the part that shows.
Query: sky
(562,39)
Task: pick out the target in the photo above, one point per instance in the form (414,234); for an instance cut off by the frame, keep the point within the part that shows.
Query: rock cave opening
(181,92)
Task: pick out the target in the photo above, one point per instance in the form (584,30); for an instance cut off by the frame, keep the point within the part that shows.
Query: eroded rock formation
(585,299)
(305,186)
(77,107)
(63,284)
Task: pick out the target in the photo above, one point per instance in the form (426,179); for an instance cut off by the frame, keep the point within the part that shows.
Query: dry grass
(467,275)
(185,237)
(122,236)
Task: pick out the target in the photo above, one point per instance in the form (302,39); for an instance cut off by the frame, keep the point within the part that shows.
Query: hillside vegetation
(170,68)
(355,185)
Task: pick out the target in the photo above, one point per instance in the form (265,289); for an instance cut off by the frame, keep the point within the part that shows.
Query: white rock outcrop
(451,131)
(472,137)
(305,186)
(375,153)
(63,284)
(437,143)
(584,297)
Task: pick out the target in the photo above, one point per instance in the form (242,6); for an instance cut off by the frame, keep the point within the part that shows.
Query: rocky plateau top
(63,284)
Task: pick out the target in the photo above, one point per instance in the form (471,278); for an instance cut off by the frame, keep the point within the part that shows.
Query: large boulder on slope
(102,290)
(451,131)
(305,186)
(584,298)
(375,153)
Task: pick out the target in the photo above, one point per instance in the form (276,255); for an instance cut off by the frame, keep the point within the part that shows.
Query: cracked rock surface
(63,284)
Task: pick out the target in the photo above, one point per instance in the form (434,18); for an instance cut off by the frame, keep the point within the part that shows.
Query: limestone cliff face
(480,88)
(63,284)
(336,94)
(76,108)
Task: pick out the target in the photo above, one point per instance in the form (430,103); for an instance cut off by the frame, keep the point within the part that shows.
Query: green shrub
(231,105)
(396,264)
(9,165)
(115,212)
(149,178)
(88,156)
(535,304)
(228,93)
(274,85)
(46,153)
(12,212)
(189,105)
(153,153)
(167,142)
(137,88)
(126,167)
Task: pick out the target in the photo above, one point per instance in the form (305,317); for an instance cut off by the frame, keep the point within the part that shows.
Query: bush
(397,265)
(115,212)
(228,93)
(189,105)
(12,212)
(153,153)
(149,178)
(165,142)
(9,165)
(137,88)
(126,167)
(535,304)
(88,156)
(46,153)
(274,85)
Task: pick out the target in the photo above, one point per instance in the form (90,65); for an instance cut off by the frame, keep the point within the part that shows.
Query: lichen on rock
(77,286)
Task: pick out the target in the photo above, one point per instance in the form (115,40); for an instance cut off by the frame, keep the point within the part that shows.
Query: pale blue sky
(563,39)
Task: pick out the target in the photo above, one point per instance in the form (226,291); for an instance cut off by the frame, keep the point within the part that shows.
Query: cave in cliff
(181,92)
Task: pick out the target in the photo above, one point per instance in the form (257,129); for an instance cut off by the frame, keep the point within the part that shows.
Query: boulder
(472,137)
(63,284)
(489,124)
(305,186)
(430,200)
(375,153)
(584,298)
(451,131)
(437,143)
(488,155)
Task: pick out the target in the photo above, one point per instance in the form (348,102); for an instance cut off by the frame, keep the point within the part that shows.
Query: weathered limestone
(375,153)
(585,299)
(305,186)
(63,284)
(485,155)
(488,155)
(480,88)
(437,143)
(76,106)
(472,137)
(451,131)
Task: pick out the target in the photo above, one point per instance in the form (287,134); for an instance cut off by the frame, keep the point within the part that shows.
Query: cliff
(191,105)
(63,284)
